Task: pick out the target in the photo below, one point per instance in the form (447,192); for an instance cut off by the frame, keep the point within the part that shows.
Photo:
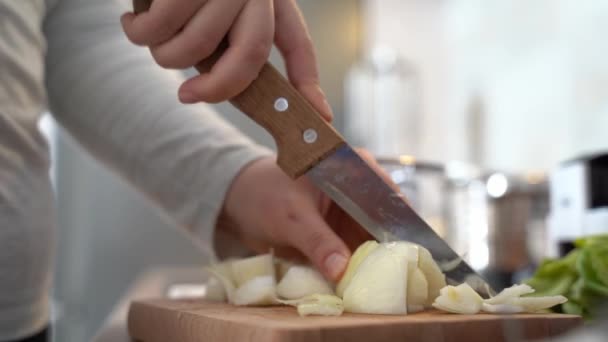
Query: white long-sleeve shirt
(71,56)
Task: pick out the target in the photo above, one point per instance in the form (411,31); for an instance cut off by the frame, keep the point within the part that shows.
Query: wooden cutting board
(164,320)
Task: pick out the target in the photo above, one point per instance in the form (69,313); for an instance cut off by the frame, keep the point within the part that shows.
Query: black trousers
(42,336)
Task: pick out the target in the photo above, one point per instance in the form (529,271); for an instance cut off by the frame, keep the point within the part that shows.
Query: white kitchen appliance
(579,202)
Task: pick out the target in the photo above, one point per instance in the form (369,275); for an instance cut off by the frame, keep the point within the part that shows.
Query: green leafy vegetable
(581,276)
(599,262)
(572,308)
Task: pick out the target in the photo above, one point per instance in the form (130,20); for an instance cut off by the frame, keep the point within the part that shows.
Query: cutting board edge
(156,310)
(172,322)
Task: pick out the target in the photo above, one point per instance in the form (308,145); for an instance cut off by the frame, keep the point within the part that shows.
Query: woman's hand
(266,209)
(181,33)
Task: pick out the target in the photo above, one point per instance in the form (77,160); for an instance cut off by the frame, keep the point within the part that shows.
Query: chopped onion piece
(281,267)
(320,309)
(353,264)
(417,288)
(220,274)
(215,290)
(302,281)
(405,249)
(257,291)
(246,269)
(414,308)
(317,304)
(535,304)
(510,301)
(502,308)
(432,273)
(379,285)
(507,294)
(449,265)
(461,299)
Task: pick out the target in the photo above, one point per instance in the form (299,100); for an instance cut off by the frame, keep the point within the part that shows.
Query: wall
(540,68)
(415,29)
(511,85)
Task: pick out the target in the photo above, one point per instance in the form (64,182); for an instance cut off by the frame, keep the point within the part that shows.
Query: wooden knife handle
(302,136)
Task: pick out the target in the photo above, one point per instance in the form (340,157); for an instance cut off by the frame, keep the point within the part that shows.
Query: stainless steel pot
(499,222)
(496,221)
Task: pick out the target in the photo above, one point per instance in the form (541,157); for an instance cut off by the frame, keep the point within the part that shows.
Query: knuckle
(164,27)
(164,60)
(204,46)
(257,53)
(192,53)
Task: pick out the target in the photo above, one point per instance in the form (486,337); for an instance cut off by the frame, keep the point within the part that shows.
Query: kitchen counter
(150,284)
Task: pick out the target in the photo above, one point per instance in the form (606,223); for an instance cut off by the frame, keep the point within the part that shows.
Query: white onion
(508,301)
(214,290)
(502,308)
(220,274)
(379,285)
(246,269)
(417,288)
(353,264)
(257,291)
(432,273)
(302,281)
(281,267)
(509,293)
(461,299)
(535,304)
(317,304)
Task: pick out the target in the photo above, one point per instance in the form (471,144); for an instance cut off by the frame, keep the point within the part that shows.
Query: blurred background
(491,115)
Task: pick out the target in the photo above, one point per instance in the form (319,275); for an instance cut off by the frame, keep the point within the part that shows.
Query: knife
(308,145)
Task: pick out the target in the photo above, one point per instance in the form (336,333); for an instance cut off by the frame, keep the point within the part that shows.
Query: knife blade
(352,183)
(308,145)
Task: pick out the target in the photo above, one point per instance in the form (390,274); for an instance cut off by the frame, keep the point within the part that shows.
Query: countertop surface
(153,283)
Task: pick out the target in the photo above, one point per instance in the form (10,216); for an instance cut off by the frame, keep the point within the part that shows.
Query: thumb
(311,235)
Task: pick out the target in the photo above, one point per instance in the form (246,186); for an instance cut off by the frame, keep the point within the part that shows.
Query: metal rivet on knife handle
(281,104)
(310,136)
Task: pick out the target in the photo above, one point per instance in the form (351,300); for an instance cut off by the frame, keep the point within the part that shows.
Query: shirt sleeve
(123,108)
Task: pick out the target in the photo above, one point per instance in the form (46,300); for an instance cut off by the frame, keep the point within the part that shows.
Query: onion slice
(379,285)
(257,291)
(244,270)
(353,264)
(215,290)
(432,273)
(224,279)
(417,289)
(302,281)
(317,304)
(524,304)
(509,293)
(461,299)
